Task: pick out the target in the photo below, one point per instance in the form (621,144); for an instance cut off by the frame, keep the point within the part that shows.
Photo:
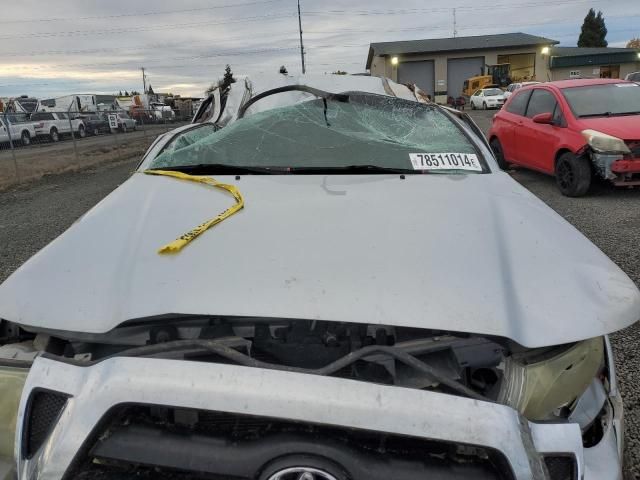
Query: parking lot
(34,214)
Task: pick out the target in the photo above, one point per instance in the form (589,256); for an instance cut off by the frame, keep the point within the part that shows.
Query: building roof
(438,45)
(575,51)
(563,57)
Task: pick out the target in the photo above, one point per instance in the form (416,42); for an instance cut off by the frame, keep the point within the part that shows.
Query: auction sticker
(445,161)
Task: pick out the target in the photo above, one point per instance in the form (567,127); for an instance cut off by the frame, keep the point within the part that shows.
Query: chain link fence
(46,142)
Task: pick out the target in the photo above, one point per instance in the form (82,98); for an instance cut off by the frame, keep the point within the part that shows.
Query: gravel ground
(33,215)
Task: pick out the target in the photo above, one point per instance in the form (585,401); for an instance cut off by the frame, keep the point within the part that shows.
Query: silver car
(355,291)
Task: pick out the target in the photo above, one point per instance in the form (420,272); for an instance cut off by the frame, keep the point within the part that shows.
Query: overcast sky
(56,47)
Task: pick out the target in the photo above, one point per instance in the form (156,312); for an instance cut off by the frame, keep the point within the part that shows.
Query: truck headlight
(601,142)
(537,384)
(11,385)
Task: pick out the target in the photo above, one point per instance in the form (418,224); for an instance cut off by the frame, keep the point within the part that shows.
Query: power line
(151,60)
(73,33)
(130,49)
(141,14)
(413,11)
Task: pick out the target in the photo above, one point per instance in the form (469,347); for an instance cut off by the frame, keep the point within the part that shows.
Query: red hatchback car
(573,129)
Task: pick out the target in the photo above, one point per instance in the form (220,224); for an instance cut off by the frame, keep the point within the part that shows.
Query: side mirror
(543,118)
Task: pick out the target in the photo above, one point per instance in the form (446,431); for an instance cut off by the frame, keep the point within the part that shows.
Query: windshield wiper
(352,169)
(224,169)
(609,114)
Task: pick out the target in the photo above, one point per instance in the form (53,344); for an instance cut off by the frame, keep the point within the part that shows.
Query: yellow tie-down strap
(182,241)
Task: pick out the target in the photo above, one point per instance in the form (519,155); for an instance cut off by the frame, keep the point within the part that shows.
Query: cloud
(56,48)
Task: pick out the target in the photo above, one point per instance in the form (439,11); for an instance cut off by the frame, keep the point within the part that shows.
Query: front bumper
(614,167)
(93,391)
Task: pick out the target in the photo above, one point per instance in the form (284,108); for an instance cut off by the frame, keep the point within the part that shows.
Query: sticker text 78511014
(445,161)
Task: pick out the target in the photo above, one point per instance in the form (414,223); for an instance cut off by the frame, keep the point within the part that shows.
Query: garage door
(459,69)
(420,73)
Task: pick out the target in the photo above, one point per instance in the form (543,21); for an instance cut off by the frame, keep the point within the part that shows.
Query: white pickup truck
(21,132)
(56,124)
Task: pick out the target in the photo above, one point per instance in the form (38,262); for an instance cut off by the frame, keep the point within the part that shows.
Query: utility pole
(455,26)
(144,81)
(304,70)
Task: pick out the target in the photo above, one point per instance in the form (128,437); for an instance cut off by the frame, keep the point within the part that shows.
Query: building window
(610,71)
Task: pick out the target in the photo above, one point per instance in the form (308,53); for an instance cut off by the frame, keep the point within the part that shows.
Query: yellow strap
(182,241)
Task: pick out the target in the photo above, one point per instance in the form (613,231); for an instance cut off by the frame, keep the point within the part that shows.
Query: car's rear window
(518,102)
(604,100)
(42,116)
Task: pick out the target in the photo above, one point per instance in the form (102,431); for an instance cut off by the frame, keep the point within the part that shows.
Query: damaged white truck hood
(468,253)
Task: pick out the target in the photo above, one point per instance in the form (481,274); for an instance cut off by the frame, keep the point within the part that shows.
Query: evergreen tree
(120,94)
(126,94)
(594,31)
(150,90)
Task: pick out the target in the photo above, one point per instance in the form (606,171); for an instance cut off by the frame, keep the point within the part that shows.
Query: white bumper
(96,389)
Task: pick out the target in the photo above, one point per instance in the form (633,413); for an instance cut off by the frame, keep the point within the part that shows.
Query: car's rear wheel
(496,146)
(54,135)
(306,467)
(573,175)
(81,131)
(25,138)
(484,105)
(124,128)
(473,105)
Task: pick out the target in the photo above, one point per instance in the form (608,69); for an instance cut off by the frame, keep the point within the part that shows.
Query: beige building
(440,66)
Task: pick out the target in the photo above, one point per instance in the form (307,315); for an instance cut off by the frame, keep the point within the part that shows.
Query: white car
(633,77)
(486,98)
(511,89)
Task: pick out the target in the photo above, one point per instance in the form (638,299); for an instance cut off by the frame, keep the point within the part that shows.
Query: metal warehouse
(441,66)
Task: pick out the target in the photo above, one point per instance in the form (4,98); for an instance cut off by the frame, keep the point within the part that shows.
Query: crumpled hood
(472,253)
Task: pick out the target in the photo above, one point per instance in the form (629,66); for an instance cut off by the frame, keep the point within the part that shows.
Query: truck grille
(220,445)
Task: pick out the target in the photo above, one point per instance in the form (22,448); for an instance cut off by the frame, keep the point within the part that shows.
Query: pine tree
(150,90)
(126,94)
(120,94)
(594,30)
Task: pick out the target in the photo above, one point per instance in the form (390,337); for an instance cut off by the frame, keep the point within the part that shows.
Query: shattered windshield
(365,130)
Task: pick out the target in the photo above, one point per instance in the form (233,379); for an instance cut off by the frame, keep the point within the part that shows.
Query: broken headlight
(11,384)
(537,385)
(603,143)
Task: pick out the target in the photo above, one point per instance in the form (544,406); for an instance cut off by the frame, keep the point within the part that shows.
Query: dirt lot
(33,215)
(45,158)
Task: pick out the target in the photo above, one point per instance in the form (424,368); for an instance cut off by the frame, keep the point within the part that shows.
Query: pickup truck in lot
(56,124)
(16,131)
